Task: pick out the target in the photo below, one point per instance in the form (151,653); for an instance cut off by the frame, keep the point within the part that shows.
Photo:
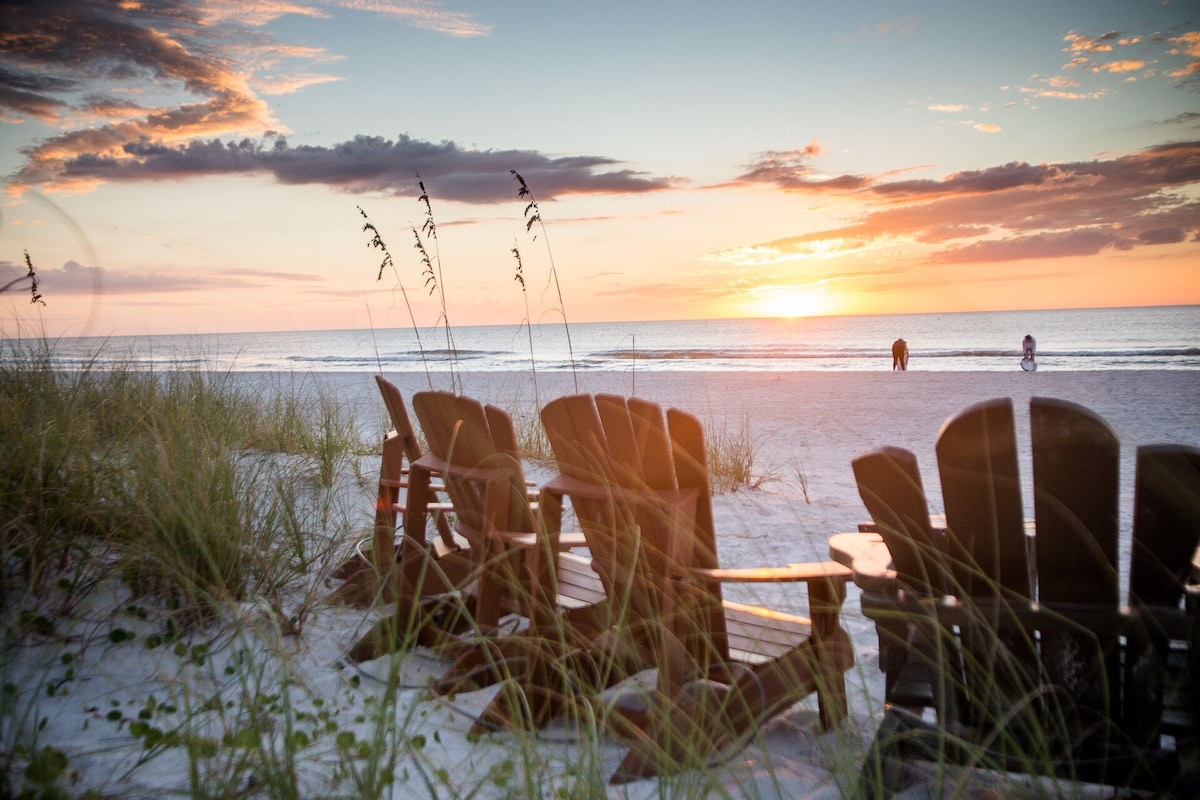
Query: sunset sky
(197,167)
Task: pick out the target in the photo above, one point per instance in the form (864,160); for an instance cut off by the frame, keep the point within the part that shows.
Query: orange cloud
(422,14)
(789,169)
(1187,45)
(1058,94)
(1119,66)
(1077,42)
(58,163)
(1013,211)
(1182,46)
(253,12)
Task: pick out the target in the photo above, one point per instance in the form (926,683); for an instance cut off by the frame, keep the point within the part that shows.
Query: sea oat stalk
(433,279)
(31,276)
(378,243)
(520,278)
(533,216)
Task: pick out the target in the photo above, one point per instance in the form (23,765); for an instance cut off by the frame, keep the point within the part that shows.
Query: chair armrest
(826,587)
(792,573)
(569,540)
(561,485)
(868,558)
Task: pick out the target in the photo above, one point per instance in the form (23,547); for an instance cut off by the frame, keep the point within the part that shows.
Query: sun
(794,303)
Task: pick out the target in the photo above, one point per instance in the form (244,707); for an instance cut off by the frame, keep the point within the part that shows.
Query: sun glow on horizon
(792,302)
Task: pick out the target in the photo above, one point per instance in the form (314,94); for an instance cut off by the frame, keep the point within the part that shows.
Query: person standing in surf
(899,355)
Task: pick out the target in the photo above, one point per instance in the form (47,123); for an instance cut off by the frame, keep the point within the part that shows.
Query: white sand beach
(808,427)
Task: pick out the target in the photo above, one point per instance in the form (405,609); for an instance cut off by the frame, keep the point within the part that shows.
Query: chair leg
(831,702)
(883,771)
(681,732)
(1188,752)
(533,690)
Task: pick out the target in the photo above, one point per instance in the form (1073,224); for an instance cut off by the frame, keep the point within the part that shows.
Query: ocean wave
(1103,339)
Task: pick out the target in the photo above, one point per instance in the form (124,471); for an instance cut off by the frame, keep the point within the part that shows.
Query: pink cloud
(1019,210)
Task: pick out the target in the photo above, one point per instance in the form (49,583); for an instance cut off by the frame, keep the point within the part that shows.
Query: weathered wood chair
(638,483)
(889,483)
(516,567)
(370,575)
(474,450)
(1025,653)
(400,448)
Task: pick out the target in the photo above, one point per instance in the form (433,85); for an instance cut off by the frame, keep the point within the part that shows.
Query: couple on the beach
(900,352)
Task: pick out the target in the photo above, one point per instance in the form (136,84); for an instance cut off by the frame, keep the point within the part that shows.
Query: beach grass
(216,511)
(733,455)
(173,479)
(185,525)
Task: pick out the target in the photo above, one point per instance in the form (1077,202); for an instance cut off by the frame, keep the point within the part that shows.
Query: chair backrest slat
(985,527)
(398,414)
(1076,458)
(889,483)
(575,432)
(504,435)
(624,456)
(1166,533)
(1166,523)
(654,445)
(690,459)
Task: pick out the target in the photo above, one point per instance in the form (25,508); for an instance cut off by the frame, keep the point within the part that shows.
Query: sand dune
(808,427)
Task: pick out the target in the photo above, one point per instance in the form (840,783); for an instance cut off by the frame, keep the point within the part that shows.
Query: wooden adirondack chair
(638,483)
(1076,458)
(1068,682)
(889,483)
(1161,692)
(370,573)
(516,567)
(988,556)
(473,448)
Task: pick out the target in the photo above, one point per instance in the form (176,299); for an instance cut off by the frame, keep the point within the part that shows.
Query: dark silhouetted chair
(1018,642)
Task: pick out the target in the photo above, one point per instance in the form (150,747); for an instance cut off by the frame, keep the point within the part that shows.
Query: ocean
(1158,338)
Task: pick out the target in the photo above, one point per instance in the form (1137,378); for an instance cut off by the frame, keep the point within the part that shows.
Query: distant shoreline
(1080,340)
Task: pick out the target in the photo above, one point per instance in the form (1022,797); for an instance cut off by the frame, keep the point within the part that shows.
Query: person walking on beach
(899,355)
(1028,347)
